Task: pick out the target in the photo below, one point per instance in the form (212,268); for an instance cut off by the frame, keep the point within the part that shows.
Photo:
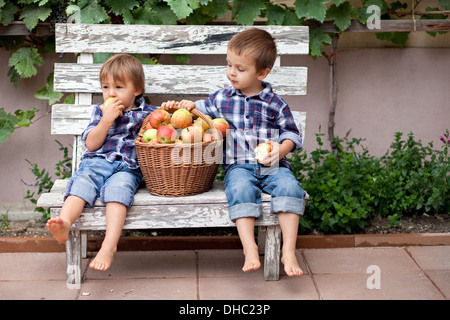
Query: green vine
(27,50)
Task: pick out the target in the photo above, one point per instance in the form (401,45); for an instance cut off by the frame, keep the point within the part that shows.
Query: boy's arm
(97,135)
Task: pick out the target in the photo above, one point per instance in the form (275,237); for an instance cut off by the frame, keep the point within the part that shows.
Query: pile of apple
(180,127)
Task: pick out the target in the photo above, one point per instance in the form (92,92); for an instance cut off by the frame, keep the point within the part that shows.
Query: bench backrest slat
(176,79)
(168,39)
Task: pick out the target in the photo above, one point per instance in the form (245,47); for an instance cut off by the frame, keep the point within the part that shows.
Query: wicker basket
(177,170)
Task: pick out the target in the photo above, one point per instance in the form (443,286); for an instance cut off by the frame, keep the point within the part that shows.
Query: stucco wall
(381,91)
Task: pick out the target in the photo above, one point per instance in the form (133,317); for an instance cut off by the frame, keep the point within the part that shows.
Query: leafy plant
(44,182)
(340,186)
(348,187)
(9,122)
(4,222)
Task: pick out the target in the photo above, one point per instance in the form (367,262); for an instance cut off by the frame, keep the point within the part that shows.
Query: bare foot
(103,259)
(58,228)
(251,262)
(291,266)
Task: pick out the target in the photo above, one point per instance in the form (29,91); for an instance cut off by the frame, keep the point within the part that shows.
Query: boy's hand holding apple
(112,109)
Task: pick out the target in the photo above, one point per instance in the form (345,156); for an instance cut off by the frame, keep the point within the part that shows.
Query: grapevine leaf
(23,61)
(246,11)
(312,9)
(13,76)
(159,13)
(119,7)
(316,38)
(275,14)
(217,8)
(92,12)
(364,15)
(183,8)
(341,15)
(445,4)
(33,13)
(47,92)
(23,118)
(7,13)
(399,38)
(7,122)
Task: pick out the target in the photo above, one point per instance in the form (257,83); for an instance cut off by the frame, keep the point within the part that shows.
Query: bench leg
(73,260)
(262,230)
(84,241)
(272,253)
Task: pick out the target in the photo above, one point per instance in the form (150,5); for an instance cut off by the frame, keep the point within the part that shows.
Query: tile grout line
(428,277)
(197,274)
(310,274)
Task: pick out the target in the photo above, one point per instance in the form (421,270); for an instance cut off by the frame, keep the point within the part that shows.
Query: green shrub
(348,187)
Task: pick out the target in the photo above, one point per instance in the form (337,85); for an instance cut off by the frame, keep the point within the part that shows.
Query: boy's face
(124,91)
(242,73)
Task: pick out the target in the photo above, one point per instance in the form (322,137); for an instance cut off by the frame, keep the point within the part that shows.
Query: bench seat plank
(165,79)
(216,194)
(208,209)
(168,39)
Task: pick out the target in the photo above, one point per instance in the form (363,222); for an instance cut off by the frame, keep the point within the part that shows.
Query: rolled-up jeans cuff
(287,204)
(244,210)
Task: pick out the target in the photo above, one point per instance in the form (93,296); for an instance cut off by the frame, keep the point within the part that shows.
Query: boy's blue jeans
(244,184)
(113,182)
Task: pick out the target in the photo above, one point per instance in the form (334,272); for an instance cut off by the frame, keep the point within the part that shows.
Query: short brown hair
(258,43)
(122,66)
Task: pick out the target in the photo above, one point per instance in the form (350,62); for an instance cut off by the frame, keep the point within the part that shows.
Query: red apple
(262,150)
(159,117)
(192,134)
(166,134)
(221,125)
(181,119)
(149,134)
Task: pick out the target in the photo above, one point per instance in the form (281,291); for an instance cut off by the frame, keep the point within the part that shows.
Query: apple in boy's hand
(106,103)
(166,134)
(159,117)
(149,135)
(181,119)
(262,150)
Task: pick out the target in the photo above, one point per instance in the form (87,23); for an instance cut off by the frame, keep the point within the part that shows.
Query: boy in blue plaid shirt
(109,167)
(256,114)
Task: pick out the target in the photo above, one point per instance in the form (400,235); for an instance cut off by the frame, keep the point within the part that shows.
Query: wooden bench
(208,209)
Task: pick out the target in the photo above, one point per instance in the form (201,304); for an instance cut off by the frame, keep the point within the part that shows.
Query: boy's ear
(263,73)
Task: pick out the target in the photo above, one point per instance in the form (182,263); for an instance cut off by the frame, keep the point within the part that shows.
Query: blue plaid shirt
(255,119)
(119,142)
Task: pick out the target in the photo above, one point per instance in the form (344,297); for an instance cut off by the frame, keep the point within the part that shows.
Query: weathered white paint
(167,39)
(176,79)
